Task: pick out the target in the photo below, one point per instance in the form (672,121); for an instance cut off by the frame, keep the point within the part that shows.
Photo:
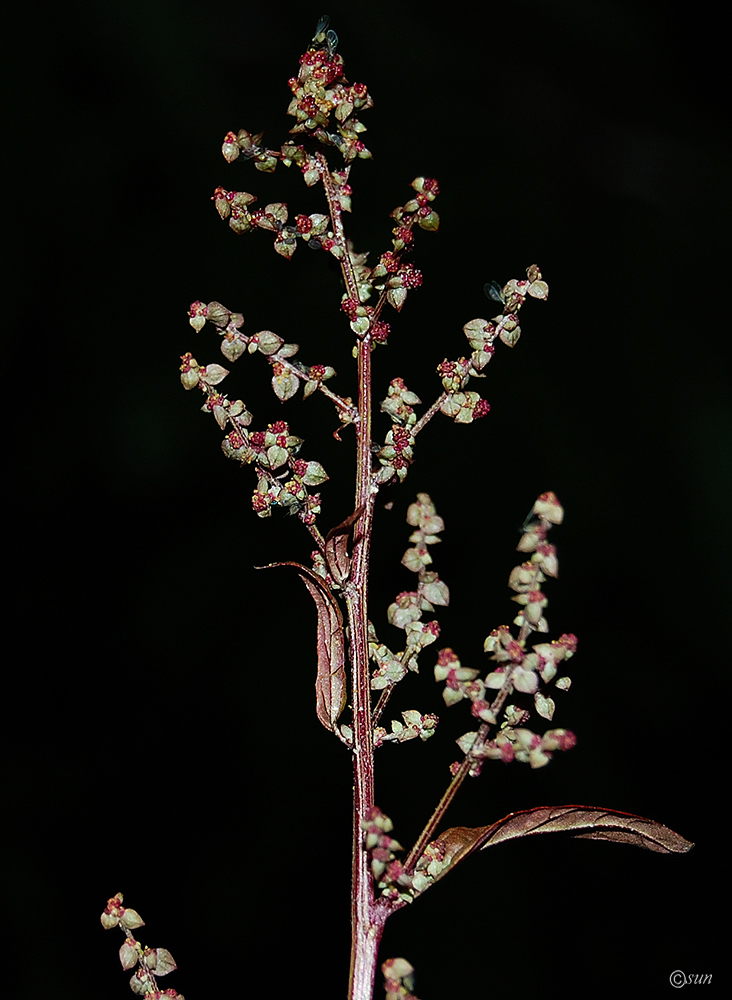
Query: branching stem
(334,208)
(428,415)
(430,829)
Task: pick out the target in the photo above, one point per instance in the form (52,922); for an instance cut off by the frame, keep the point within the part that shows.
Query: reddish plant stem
(435,819)
(316,536)
(336,219)
(430,829)
(381,704)
(428,415)
(367,918)
(387,691)
(343,404)
(367,915)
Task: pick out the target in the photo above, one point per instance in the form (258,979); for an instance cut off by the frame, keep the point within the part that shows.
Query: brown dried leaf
(330,683)
(336,548)
(578,821)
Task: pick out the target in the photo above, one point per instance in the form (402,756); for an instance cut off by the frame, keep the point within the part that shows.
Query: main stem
(367,916)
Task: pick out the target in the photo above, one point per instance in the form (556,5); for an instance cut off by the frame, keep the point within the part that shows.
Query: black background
(162,739)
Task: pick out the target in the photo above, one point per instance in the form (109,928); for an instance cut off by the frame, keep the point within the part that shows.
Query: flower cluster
(524,676)
(417,210)
(391,876)
(247,145)
(398,979)
(463,405)
(396,454)
(287,374)
(390,669)
(481,333)
(392,277)
(399,403)
(396,279)
(408,607)
(380,846)
(519,744)
(276,447)
(405,613)
(151,962)
(320,91)
(312,229)
(415,724)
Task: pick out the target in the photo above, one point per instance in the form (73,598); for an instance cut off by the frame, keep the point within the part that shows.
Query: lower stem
(367,916)
(367,922)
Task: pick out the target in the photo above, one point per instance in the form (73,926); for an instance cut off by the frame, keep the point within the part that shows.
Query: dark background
(162,739)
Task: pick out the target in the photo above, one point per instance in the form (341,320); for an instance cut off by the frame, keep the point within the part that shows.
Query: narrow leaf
(594,823)
(330,683)
(587,822)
